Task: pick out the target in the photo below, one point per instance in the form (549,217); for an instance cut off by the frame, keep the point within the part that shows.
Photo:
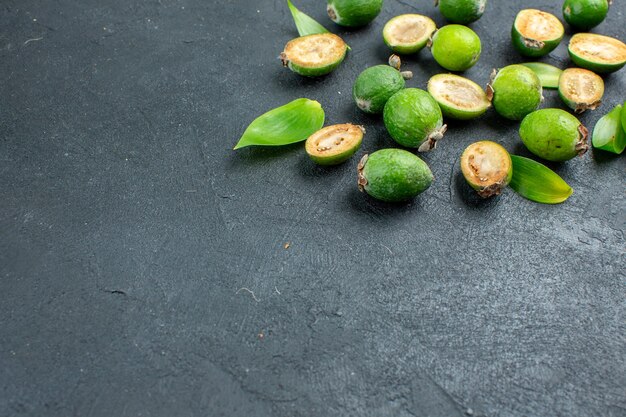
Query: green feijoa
(333,145)
(393,175)
(408,33)
(458,97)
(536,33)
(585,14)
(374,86)
(515,91)
(461,11)
(487,167)
(413,119)
(581,89)
(456,47)
(353,13)
(554,135)
(597,53)
(608,134)
(314,55)
(548,74)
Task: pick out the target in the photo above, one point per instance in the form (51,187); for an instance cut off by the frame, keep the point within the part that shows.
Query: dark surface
(128,227)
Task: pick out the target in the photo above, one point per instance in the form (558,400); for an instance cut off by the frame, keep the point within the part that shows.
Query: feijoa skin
(461,11)
(487,167)
(581,89)
(314,55)
(515,91)
(456,47)
(554,135)
(334,144)
(458,97)
(413,119)
(374,86)
(393,175)
(408,33)
(585,14)
(598,53)
(353,13)
(536,33)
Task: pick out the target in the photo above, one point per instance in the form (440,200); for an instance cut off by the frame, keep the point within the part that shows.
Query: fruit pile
(414,118)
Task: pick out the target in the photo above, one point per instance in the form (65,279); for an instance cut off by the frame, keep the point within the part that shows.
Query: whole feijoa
(461,11)
(456,47)
(413,119)
(353,13)
(374,86)
(554,135)
(458,97)
(408,33)
(314,55)
(581,89)
(597,53)
(393,175)
(487,167)
(334,144)
(585,14)
(515,91)
(536,33)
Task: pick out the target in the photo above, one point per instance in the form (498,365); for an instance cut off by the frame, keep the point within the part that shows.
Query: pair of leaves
(537,182)
(548,75)
(609,134)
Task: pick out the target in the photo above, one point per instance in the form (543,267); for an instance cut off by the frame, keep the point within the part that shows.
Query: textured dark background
(128,225)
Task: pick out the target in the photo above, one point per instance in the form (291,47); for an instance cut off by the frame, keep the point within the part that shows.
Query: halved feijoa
(598,53)
(393,175)
(581,89)
(413,119)
(314,55)
(536,33)
(554,134)
(408,33)
(333,145)
(456,47)
(608,134)
(374,86)
(585,14)
(461,11)
(458,97)
(487,167)
(353,13)
(515,91)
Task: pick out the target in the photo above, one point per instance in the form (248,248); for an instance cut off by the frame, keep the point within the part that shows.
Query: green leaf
(306,24)
(291,123)
(548,75)
(608,134)
(537,182)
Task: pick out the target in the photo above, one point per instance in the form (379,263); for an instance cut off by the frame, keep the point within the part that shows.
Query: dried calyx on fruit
(536,33)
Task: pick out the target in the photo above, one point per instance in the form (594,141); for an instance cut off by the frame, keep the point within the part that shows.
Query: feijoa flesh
(487,167)
(408,33)
(581,89)
(461,11)
(456,47)
(515,91)
(608,133)
(554,135)
(374,86)
(458,97)
(314,55)
(585,14)
(536,33)
(335,144)
(353,13)
(597,53)
(393,175)
(413,119)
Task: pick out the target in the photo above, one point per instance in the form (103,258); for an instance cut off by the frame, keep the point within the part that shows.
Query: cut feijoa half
(353,13)
(608,134)
(597,53)
(536,33)
(487,167)
(408,33)
(458,97)
(374,86)
(581,89)
(335,144)
(515,91)
(314,55)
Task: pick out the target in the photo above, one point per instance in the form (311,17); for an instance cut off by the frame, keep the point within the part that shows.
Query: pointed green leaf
(291,123)
(548,75)
(537,182)
(624,117)
(608,134)
(305,24)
